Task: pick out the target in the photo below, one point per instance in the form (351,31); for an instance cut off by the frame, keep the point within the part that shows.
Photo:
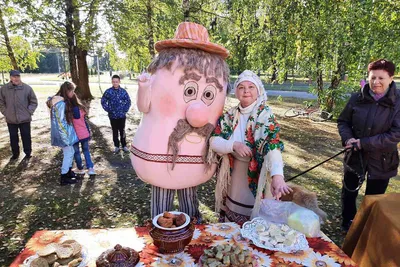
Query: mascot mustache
(183,128)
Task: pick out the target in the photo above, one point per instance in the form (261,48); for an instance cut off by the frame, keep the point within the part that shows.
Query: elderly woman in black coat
(370,123)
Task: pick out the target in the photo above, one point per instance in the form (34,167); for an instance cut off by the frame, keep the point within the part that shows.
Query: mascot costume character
(181,98)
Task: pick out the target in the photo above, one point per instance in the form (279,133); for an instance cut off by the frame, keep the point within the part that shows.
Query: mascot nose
(197,114)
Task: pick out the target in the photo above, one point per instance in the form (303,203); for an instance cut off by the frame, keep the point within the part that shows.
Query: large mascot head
(181,102)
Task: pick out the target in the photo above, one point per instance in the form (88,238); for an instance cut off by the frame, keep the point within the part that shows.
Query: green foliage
(104,62)
(136,25)
(309,103)
(48,20)
(15,51)
(25,55)
(51,62)
(320,40)
(340,96)
(117,60)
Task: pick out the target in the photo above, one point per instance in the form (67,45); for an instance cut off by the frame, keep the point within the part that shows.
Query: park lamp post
(96,54)
(64,54)
(98,72)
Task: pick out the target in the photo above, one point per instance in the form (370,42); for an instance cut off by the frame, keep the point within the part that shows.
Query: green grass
(31,198)
(94,89)
(50,89)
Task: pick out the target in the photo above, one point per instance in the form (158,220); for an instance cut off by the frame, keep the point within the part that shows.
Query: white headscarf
(250,76)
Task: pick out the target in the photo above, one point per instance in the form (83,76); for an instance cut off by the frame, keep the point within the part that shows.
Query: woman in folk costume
(247,138)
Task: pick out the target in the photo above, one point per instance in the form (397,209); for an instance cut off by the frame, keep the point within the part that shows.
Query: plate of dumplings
(68,253)
(273,236)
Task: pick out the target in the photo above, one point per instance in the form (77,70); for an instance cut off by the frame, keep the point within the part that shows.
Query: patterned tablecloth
(322,252)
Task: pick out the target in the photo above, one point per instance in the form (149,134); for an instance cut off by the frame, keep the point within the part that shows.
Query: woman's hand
(241,149)
(279,187)
(349,143)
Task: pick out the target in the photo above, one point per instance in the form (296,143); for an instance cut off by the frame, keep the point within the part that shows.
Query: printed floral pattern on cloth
(321,252)
(261,136)
(40,242)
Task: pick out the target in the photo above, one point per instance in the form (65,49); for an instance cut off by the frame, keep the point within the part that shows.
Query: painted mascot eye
(190,91)
(209,95)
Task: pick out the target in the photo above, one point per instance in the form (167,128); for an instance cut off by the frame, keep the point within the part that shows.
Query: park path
(294,94)
(104,85)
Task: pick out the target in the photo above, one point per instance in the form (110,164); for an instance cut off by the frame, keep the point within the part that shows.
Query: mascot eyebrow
(189,76)
(215,80)
(194,76)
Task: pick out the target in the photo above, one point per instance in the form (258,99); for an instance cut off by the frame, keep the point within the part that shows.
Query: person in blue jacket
(116,102)
(62,129)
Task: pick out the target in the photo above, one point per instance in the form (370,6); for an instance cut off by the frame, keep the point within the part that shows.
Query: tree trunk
(285,75)
(330,99)
(149,20)
(10,51)
(320,81)
(186,10)
(320,85)
(274,75)
(241,47)
(83,88)
(272,46)
(335,82)
(77,55)
(238,63)
(71,41)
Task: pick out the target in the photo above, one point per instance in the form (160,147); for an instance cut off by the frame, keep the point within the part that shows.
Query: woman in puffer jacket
(62,130)
(370,123)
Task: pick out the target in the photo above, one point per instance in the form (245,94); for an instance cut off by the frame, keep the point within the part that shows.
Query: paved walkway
(105,85)
(295,94)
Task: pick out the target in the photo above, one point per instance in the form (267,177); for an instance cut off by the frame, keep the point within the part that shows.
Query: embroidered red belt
(166,158)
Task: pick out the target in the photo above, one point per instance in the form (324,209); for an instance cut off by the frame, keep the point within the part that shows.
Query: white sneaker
(116,149)
(91,171)
(126,149)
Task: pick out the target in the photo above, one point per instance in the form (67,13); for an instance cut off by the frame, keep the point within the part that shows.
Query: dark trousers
(349,208)
(118,128)
(25,130)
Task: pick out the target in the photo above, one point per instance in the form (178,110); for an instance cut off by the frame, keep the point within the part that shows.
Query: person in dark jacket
(117,102)
(17,103)
(370,123)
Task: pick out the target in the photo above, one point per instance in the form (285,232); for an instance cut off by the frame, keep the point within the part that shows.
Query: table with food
(173,239)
